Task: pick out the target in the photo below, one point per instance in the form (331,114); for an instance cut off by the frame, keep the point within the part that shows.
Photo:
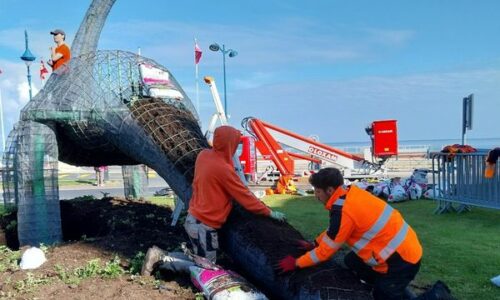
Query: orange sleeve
(319,237)
(327,245)
(243,195)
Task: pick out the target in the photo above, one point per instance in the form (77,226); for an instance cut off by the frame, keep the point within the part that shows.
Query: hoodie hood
(226,140)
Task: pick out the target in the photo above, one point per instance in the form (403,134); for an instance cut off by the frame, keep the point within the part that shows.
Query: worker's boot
(439,291)
(409,294)
(154,256)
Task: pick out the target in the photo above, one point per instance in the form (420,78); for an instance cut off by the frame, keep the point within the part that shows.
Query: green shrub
(112,269)
(8,259)
(136,263)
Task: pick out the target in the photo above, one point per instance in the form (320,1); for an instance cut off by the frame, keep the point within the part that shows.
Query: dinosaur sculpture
(99,111)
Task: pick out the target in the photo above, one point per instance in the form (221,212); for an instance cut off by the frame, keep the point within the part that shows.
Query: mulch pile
(130,226)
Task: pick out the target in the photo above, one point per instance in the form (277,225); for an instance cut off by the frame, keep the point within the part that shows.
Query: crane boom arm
(272,135)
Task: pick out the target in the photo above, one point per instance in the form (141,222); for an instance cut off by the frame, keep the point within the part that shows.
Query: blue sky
(327,68)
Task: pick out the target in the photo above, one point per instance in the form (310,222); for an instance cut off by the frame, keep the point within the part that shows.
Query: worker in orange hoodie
(385,251)
(215,185)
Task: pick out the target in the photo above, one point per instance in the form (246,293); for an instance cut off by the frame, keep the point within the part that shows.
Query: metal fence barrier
(459,178)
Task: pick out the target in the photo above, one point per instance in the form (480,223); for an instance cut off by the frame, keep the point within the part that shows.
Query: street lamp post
(28,58)
(232,53)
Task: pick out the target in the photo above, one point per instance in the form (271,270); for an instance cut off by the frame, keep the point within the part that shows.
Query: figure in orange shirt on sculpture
(61,54)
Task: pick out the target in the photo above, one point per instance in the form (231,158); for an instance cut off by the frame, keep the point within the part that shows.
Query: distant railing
(401,149)
(414,148)
(459,178)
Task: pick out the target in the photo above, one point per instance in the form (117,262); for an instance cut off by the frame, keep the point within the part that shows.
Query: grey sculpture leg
(38,215)
(135,182)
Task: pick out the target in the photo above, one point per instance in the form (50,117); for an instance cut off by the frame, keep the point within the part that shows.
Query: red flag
(197,53)
(43,70)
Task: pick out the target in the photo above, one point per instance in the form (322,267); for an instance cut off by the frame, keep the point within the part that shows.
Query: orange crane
(270,139)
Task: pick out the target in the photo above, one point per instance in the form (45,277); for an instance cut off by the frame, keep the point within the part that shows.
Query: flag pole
(197,84)
(41,77)
(1,122)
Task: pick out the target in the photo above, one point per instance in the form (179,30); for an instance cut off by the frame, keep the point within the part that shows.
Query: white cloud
(39,41)
(14,89)
(284,41)
(251,81)
(23,92)
(390,37)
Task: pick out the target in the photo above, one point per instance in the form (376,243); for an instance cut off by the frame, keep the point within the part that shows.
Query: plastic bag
(215,282)
(379,188)
(496,280)
(433,193)
(32,259)
(395,193)
(223,285)
(420,176)
(414,190)
(361,184)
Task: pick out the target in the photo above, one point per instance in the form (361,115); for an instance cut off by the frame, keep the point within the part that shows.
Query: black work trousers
(390,285)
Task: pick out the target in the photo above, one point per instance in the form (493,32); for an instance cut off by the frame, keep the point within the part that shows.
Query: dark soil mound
(129,226)
(8,230)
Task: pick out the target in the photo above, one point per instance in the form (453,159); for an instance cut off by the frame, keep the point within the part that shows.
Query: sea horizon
(431,144)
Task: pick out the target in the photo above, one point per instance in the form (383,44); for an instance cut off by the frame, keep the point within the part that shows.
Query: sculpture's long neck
(87,37)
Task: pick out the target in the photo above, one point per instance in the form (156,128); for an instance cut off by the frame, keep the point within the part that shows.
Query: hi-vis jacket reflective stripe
(371,227)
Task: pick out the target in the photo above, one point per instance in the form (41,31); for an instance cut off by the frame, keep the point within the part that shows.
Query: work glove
(287,264)
(279,216)
(305,245)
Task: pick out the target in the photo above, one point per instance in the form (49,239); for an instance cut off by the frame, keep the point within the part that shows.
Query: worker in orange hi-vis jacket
(491,162)
(385,251)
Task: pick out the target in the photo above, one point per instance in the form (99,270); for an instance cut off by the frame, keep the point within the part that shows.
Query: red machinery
(248,157)
(384,136)
(270,138)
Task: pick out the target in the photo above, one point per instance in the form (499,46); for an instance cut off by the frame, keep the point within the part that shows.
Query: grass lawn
(85,182)
(162,200)
(463,250)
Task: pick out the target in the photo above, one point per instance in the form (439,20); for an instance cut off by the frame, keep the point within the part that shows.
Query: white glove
(279,216)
